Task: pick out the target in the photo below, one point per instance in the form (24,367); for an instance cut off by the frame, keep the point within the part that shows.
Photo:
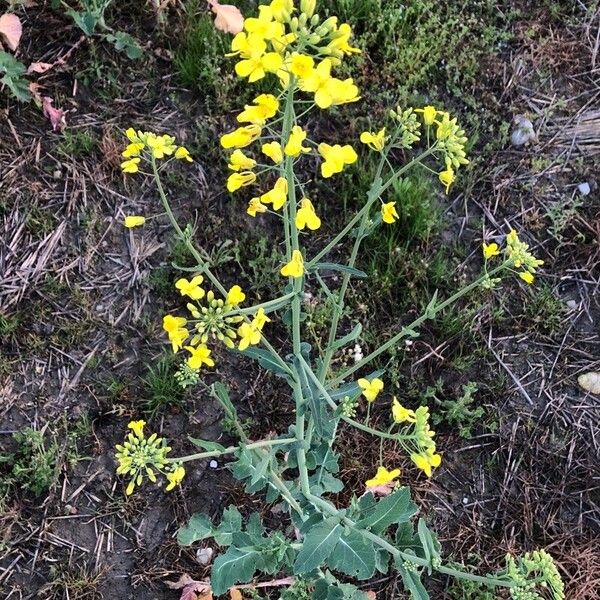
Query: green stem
(201,260)
(404,332)
(374,195)
(232,449)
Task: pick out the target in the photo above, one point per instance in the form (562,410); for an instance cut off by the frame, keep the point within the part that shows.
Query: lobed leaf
(318,545)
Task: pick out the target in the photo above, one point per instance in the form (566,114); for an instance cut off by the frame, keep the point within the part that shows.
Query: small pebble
(204,555)
(465,500)
(572,304)
(584,188)
(213,464)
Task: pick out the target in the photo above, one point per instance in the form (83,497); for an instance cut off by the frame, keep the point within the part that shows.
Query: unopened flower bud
(294,24)
(303,20)
(314,39)
(315,20)
(308,7)
(330,24)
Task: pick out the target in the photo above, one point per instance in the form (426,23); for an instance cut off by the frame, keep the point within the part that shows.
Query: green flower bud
(307,7)
(315,20)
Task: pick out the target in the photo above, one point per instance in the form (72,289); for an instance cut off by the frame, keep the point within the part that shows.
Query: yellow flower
(401,414)
(306,216)
(199,356)
(295,268)
(133,135)
(341,41)
(294,145)
(238,161)
(137,427)
(249,335)
(241,137)
(134,221)
(301,65)
(273,151)
(131,165)
(388,212)
(328,90)
(335,158)
(175,478)
(447,177)
(278,195)
(183,154)
(175,328)
(237,180)
(235,295)
(260,319)
(429,114)
(370,389)
(527,277)
(490,250)
(256,206)
(427,460)
(382,477)
(264,27)
(160,145)
(259,62)
(133,149)
(265,107)
(191,288)
(375,141)
(281,9)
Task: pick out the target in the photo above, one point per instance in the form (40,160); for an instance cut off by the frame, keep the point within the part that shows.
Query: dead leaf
(190,588)
(590,382)
(39,67)
(228,17)
(235,594)
(55,115)
(11,30)
(34,90)
(381,490)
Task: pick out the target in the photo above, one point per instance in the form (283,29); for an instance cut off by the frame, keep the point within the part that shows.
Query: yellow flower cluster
(140,457)
(217,319)
(301,51)
(419,441)
(517,255)
(149,145)
(288,46)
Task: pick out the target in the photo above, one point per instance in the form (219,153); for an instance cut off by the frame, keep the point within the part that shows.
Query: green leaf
(230,523)
(266,359)
(412,582)
(206,445)
(325,483)
(235,566)
(317,546)
(123,41)
(395,508)
(222,393)
(86,21)
(341,268)
(13,72)
(312,395)
(199,527)
(350,337)
(353,555)
(261,468)
(430,543)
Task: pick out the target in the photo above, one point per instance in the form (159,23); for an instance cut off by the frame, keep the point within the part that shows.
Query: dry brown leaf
(590,382)
(39,67)
(11,30)
(55,115)
(235,594)
(34,90)
(228,17)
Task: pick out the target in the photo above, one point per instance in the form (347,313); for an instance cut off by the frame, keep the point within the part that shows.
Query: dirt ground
(82,299)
